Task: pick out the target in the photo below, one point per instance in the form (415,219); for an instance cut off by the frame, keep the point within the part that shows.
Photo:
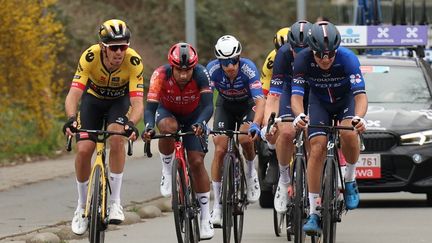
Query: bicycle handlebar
(101,132)
(273,120)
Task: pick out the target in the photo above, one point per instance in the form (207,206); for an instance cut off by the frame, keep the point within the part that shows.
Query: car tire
(429,199)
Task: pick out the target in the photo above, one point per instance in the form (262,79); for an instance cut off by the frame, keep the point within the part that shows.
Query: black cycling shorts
(227,113)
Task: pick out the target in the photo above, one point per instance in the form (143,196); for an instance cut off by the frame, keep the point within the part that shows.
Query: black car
(398,142)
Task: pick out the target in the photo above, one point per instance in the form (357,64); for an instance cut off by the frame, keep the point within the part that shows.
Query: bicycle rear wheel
(329,202)
(227,197)
(97,227)
(239,199)
(300,197)
(180,193)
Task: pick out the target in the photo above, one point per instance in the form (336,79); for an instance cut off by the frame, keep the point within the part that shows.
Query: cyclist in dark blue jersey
(337,89)
(240,100)
(278,100)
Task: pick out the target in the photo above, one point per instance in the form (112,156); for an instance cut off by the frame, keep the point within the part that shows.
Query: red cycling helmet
(183,56)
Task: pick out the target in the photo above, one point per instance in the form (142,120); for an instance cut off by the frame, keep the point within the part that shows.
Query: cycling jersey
(282,71)
(165,90)
(245,86)
(94,78)
(267,72)
(343,77)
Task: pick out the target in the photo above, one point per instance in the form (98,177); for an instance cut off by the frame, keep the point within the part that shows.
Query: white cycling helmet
(227,47)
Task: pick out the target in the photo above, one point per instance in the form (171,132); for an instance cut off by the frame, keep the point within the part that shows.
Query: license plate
(369,166)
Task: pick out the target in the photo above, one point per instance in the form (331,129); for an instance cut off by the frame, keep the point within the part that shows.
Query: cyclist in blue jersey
(337,89)
(241,100)
(278,100)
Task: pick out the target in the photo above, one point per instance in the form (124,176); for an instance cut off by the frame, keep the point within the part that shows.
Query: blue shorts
(321,113)
(285,101)
(190,142)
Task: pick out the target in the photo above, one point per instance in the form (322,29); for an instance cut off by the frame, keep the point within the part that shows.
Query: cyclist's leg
(89,117)
(222,120)
(318,142)
(166,123)
(253,186)
(351,151)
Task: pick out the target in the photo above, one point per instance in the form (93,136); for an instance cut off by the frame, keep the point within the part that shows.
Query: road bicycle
(332,183)
(234,187)
(185,205)
(97,192)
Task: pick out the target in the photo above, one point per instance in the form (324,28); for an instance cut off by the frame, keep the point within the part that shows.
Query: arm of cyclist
(361,105)
(134,117)
(149,120)
(254,129)
(207,103)
(300,120)
(71,107)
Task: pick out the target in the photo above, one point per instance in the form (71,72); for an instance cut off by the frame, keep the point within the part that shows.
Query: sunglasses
(115,47)
(322,55)
(226,62)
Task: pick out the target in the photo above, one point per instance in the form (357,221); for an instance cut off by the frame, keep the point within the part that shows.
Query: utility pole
(190,22)
(301,9)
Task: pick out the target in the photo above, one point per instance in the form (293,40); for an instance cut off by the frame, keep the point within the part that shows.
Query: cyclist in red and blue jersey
(179,97)
(337,89)
(279,101)
(240,100)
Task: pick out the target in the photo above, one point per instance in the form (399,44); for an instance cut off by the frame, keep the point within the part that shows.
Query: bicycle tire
(179,192)
(278,222)
(329,202)
(299,209)
(194,207)
(227,197)
(96,231)
(240,199)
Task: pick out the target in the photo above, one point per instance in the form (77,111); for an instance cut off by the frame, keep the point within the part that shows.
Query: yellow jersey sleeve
(136,69)
(267,71)
(85,65)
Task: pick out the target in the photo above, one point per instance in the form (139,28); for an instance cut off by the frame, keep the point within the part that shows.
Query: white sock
(115,183)
(350,172)
(271,146)
(314,201)
(216,193)
(284,171)
(166,161)
(82,193)
(204,201)
(250,167)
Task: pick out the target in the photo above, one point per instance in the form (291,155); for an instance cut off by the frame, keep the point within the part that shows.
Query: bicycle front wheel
(239,201)
(227,197)
(329,202)
(300,197)
(179,192)
(97,231)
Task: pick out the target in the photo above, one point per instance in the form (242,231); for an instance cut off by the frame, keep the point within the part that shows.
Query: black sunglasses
(226,62)
(322,55)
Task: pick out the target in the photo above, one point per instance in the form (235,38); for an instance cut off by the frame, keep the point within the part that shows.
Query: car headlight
(417,138)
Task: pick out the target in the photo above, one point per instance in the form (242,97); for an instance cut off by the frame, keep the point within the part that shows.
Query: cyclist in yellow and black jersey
(280,38)
(108,83)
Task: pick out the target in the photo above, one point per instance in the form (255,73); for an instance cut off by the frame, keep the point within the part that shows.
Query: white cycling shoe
(253,187)
(216,217)
(281,198)
(115,214)
(206,229)
(79,223)
(165,185)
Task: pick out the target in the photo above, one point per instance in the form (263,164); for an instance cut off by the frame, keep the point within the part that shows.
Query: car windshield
(395,84)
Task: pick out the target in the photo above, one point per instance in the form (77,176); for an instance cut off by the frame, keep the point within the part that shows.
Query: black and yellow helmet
(281,37)
(114,29)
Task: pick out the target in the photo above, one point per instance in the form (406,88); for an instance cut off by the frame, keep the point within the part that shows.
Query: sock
(284,171)
(204,201)
(271,146)
(314,201)
(82,193)
(216,193)
(115,183)
(166,161)
(250,167)
(350,172)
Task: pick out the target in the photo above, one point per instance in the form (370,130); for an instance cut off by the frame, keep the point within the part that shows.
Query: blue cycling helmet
(324,37)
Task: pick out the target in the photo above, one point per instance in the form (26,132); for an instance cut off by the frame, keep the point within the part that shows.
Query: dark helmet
(324,37)
(298,36)
(183,56)
(281,37)
(114,29)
